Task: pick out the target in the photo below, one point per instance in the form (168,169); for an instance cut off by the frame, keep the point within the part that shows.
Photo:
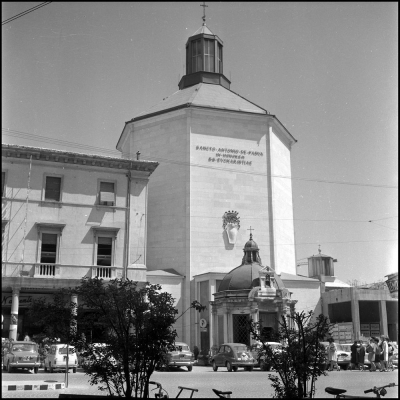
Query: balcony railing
(67,271)
(45,270)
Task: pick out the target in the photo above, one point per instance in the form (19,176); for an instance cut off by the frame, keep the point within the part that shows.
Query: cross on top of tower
(204,12)
(251,235)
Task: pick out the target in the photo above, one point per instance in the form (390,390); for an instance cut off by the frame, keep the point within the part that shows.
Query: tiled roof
(204,95)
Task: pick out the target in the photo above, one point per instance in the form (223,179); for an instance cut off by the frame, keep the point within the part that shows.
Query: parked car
(260,356)
(180,357)
(344,355)
(56,358)
(21,355)
(232,356)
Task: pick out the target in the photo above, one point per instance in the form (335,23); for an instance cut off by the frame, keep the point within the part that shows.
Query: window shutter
(107,192)
(53,188)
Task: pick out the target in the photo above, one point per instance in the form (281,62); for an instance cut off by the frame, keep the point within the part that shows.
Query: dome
(243,277)
(251,244)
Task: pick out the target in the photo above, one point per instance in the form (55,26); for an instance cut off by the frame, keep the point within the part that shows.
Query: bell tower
(204,59)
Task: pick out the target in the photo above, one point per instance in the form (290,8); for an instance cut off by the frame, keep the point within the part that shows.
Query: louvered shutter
(107,192)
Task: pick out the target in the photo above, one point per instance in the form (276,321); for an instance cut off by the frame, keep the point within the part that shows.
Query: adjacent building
(66,216)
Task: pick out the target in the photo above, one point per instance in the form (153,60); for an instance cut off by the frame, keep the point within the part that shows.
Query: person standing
(353,359)
(332,354)
(371,349)
(361,355)
(27,338)
(384,355)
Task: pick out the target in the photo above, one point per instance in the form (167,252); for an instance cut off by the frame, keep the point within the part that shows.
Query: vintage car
(21,355)
(56,358)
(343,355)
(259,354)
(232,356)
(181,356)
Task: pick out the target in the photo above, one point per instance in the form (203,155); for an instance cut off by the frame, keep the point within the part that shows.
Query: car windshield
(181,348)
(343,347)
(24,347)
(63,350)
(239,348)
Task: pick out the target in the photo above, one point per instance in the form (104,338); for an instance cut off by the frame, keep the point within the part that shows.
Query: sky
(74,73)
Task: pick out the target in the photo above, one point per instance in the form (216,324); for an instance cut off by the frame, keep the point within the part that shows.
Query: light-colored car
(343,355)
(232,356)
(56,358)
(21,355)
(180,357)
(259,354)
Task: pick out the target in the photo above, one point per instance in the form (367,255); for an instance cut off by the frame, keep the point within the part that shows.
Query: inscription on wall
(225,155)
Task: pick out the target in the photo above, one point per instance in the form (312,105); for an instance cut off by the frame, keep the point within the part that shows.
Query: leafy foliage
(134,322)
(303,357)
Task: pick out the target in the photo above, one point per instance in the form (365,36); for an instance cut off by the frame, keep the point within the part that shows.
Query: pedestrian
(332,354)
(196,352)
(27,338)
(371,350)
(391,351)
(361,355)
(378,353)
(384,356)
(353,358)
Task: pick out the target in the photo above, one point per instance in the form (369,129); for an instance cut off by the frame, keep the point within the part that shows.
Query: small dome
(251,245)
(242,277)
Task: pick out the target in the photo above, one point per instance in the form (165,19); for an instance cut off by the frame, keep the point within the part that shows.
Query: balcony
(58,271)
(49,275)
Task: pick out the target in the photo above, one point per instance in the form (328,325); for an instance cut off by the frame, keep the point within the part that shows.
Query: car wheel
(229,366)
(215,368)
(189,368)
(36,370)
(9,368)
(74,370)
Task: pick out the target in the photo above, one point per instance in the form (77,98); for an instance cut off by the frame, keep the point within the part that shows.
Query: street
(242,384)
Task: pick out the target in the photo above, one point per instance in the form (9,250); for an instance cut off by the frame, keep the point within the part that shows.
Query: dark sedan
(232,356)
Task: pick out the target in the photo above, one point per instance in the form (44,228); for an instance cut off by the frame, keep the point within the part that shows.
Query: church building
(224,169)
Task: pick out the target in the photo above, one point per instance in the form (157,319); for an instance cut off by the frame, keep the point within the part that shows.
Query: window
(104,254)
(48,248)
(104,251)
(209,55)
(107,194)
(197,59)
(219,59)
(52,189)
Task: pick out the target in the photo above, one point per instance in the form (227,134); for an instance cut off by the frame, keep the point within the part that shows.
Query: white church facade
(224,169)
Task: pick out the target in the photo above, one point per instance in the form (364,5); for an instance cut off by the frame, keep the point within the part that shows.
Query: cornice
(64,157)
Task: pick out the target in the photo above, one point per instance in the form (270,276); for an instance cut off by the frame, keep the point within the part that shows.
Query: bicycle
(163,394)
(223,395)
(339,393)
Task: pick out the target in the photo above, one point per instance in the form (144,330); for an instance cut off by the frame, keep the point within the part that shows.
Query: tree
(134,322)
(303,357)
(57,320)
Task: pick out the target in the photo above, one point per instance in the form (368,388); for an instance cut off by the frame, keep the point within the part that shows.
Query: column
(213,327)
(254,317)
(355,313)
(230,326)
(383,318)
(226,326)
(14,314)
